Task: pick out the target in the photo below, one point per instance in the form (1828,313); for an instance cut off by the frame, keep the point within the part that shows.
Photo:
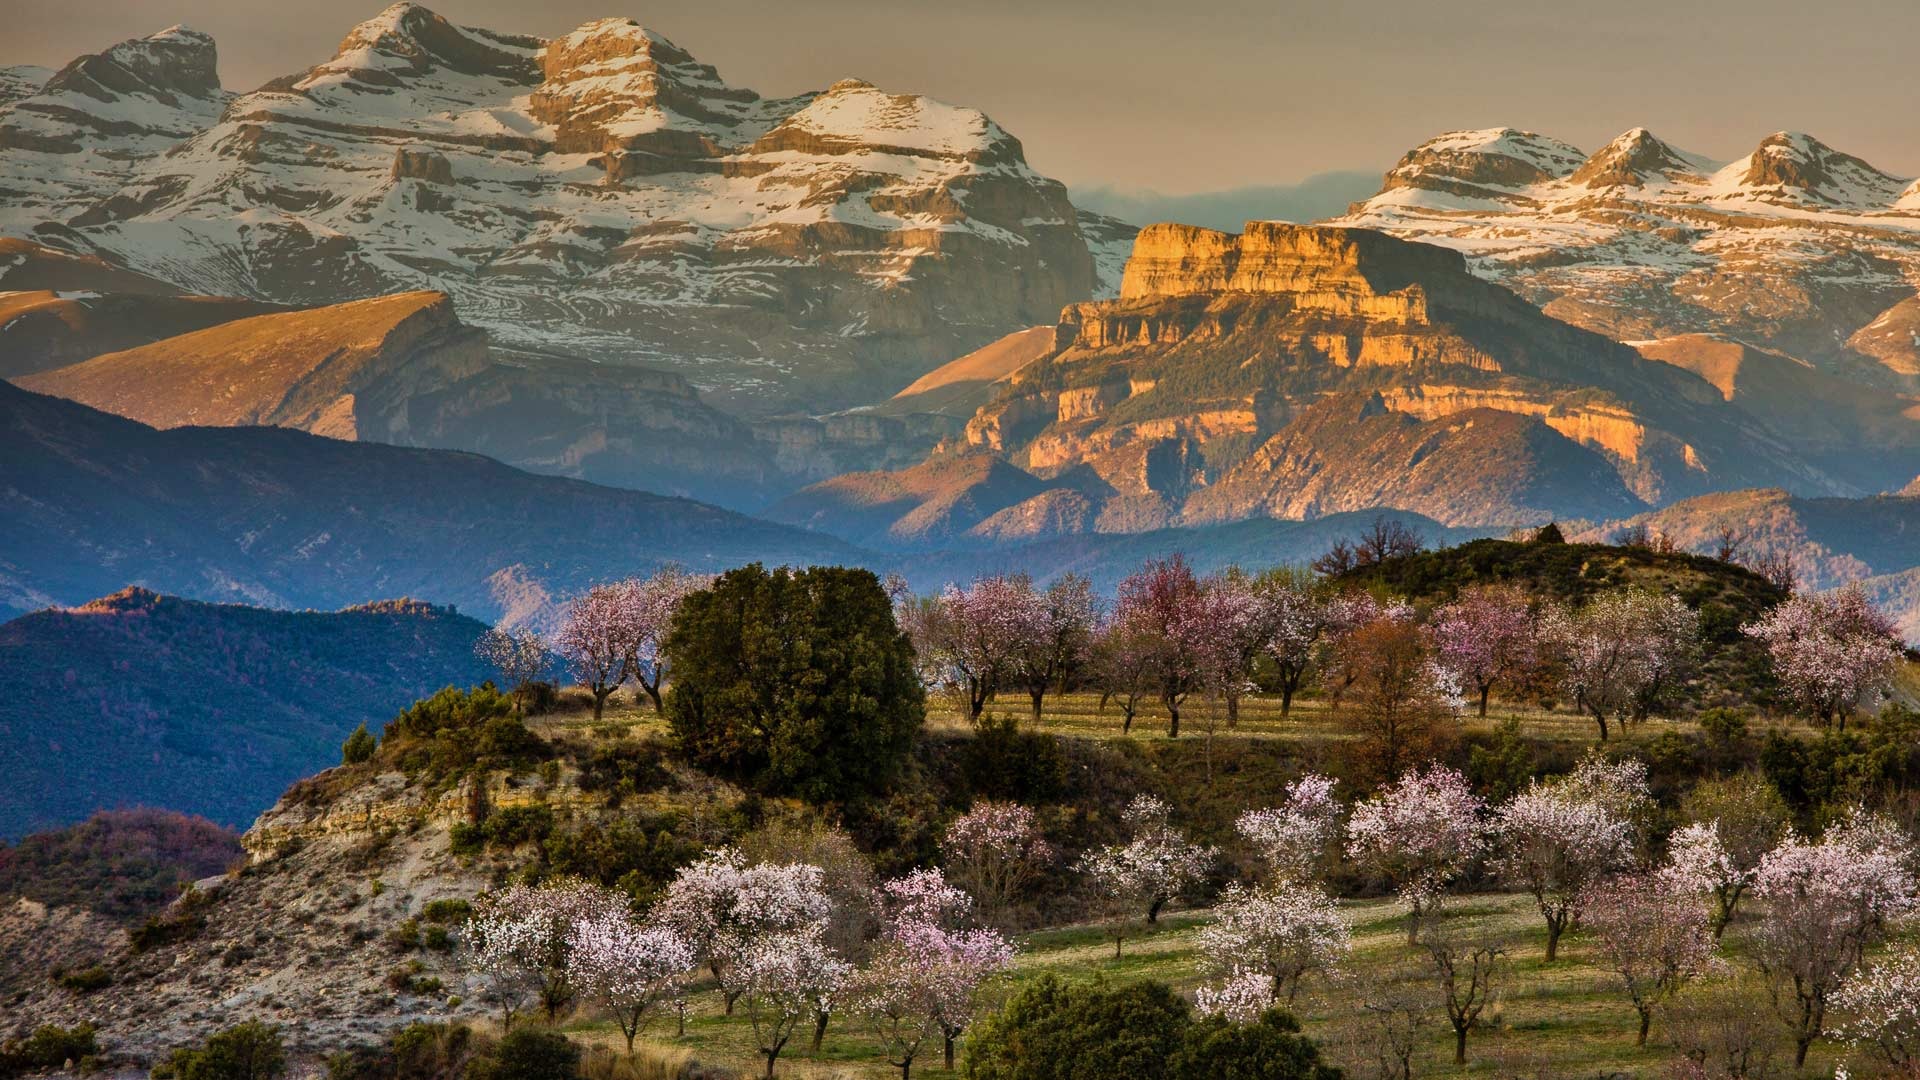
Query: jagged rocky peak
(1470,162)
(614,84)
(856,115)
(175,61)
(406,41)
(1634,158)
(1792,165)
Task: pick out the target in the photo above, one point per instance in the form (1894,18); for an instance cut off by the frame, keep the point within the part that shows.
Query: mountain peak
(1795,165)
(1631,159)
(1484,163)
(406,40)
(175,61)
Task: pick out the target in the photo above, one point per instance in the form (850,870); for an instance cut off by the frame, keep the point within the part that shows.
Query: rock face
(1797,247)
(601,194)
(1293,371)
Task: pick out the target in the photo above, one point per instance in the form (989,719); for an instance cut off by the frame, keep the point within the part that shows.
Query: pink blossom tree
(1825,903)
(652,603)
(1142,875)
(1292,839)
(1297,618)
(1654,938)
(1124,651)
(1235,627)
(721,905)
(596,638)
(1834,653)
(522,940)
(1419,834)
(1556,841)
(1165,602)
(630,968)
(974,637)
(1058,635)
(995,851)
(1620,650)
(1283,932)
(1486,637)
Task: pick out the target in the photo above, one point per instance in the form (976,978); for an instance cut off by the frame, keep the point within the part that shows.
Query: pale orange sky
(1208,94)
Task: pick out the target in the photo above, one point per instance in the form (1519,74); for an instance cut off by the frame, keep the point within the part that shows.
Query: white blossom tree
(1881,1010)
(1283,932)
(1142,875)
(1654,938)
(1617,652)
(596,638)
(629,967)
(518,655)
(1487,637)
(1555,841)
(1241,997)
(1297,618)
(651,604)
(522,940)
(787,978)
(1419,834)
(1293,839)
(971,640)
(1825,903)
(722,905)
(1833,652)
(1735,822)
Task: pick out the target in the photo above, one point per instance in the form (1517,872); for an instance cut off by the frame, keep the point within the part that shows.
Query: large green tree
(796,681)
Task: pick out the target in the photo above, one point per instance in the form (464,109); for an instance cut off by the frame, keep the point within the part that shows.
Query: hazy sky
(1204,95)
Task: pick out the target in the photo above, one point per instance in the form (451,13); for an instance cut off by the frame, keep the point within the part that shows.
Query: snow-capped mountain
(1795,247)
(602,194)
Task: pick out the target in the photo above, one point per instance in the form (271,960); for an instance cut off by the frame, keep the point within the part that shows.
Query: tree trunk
(1485,688)
(1173,720)
(1117,939)
(1554,929)
(1153,912)
(949,1049)
(1286,699)
(600,695)
(1459,1045)
(653,691)
(731,996)
(1600,717)
(1233,708)
(1646,1021)
(820,1029)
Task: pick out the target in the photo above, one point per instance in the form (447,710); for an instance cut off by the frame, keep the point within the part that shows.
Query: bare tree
(1466,967)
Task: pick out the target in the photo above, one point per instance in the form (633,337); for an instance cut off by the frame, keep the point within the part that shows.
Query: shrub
(1053,1030)
(84,980)
(49,1047)
(181,922)
(796,681)
(451,710)
(359,746)
(419,1051)
(527,1054)
(1269,1048)
(446,911)
(1003,762)
(250,1051)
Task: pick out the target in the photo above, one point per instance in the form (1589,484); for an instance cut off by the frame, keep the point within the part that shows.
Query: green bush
(505,828)
(182,922)
(795,681)
(446,911)
(251,1051)
(359,746)
(1003,762)
(451,710)
(1270,1048)
(638,855)
(84,980)
(419,1051)
(49,1047)
(527,1054)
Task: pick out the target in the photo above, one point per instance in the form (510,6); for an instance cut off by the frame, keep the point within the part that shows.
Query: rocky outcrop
(601,194)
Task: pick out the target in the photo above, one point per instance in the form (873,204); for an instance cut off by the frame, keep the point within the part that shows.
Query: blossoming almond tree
(1881,1006)
(596,637)
(1297,617)
(1556,842)
(652,602)
(1833,652)
(721,905)
(924,975)
(518,655)
(1143,874)
(1655,938)
(1283,932)
(1826,902)
(1058,635)
(1487,636)
(787,978)
(1620,649)
(1241,997)
(1419,834)
(1292,839)
(628,967)
(977,635)
(1166,603)
(995,851)
(522,939)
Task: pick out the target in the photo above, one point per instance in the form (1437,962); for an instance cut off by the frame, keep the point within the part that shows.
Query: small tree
(1237,624)
(1833,652)
(1142,875)
(721,905)
(1124,649)
(522,939)
(1400,694)
(1419,834)
(1555,842)
(629,968)
(1058,638)
(1466,969)
(1296,617)
(1165,602)
(1486,637)
(359,746)
(1620,651)
(518,655)
(1826,902)
(1292,840)
(596,637)
(995,851)
(1654,938)
(1734,823)
(653,602)
(974,638)
(786,979)
(1282,933)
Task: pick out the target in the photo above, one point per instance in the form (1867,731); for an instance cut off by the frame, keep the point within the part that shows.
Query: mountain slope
(1794,247)
(90,502)
(602,194)
(146,700)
